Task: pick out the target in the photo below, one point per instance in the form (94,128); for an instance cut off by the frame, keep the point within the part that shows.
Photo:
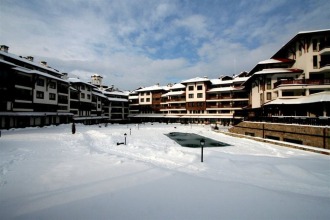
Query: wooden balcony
(303,82)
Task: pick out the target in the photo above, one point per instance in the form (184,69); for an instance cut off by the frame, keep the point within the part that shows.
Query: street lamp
(202,147)
(125,138)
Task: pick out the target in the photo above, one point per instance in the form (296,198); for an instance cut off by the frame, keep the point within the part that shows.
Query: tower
(97,79)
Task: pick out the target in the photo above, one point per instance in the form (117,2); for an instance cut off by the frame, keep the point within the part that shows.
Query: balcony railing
(176,100)
(303,81)
(324,63)
(219,106)
(325,44)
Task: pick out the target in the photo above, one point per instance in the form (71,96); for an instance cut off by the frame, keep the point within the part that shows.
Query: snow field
(48,173)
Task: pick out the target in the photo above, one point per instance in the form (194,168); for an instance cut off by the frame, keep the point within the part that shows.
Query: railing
(219,106)
(323,45)
(176,100)
(324,63)
(302,81)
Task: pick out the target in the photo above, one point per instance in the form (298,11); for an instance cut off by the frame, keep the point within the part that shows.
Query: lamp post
(202,147)
(125,138)
(130,131)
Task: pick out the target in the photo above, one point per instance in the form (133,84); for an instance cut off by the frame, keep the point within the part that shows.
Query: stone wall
(315,136)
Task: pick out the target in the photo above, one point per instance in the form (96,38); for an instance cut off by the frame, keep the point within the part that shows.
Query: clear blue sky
(136,43)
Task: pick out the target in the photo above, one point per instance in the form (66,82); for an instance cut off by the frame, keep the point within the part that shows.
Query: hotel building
(33,94)
(295,81)
(197,100)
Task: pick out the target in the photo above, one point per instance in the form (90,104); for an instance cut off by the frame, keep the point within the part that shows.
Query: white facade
(299,69)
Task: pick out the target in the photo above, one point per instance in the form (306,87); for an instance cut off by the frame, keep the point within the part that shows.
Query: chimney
(4,48)
(65,76)
(30,58)
(43,63)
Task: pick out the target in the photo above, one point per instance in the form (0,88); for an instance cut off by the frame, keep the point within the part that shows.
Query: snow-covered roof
(275,60)
(196,79)
(178,86)
(220,81)
(97,75)
(224,82)
(117,99)
(99,94)
(13,56)
(224,89)
(173,93)
(6,62)
(120,93)
(278,70)
(133,97)
(241,79)
(133,92)
(315,31)
(28,71)
(77,80)
(314,98)
(153,88)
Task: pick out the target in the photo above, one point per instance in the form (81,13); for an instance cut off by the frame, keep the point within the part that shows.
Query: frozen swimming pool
(193,140)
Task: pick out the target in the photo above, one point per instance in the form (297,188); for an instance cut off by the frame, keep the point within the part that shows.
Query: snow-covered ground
(49,173)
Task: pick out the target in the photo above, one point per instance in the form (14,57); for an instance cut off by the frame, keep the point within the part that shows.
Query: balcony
(176,100)
(219,106)
(302,82)
(325,48)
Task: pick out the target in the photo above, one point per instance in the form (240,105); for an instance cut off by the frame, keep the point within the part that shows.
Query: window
(269,83)
(200,87)
(88,96)
(191,88)
(191,96)
(82,95)
(82,87)
(40,95)
(52,96)
(315,62)
(148,100)
(142,100)
(40,82)
(199,95)
(52,85)
(314,44)
(88,88)
(269,95)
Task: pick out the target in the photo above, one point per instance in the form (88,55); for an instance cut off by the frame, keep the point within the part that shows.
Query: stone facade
(315,136)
